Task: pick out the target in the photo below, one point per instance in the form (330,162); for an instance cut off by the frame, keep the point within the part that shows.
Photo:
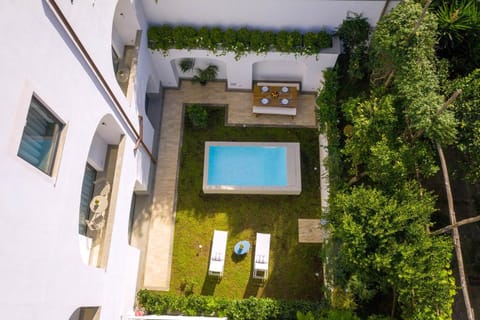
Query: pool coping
(294,175)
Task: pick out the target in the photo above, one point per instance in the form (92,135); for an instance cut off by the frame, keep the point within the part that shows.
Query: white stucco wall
(274,14)
(101,25)
(239,73)
(42,275)
(97,152)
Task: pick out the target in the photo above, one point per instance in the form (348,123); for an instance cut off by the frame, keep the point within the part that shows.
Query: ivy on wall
(240,41)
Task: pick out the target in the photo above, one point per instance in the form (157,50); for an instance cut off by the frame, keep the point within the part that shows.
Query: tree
(459,34)
(385,247)
(380,145)
(411,57)
(467,112)
(354,33)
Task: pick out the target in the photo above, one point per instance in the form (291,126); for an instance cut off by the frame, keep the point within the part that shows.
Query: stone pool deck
(157,240)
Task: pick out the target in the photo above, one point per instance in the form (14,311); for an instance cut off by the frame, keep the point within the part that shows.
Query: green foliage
(418,83)
(229,39)
(379,317)
(410,57)
(340,315)
(380,146)
(384,244)
(354,31)
(327,113)
(327,118)
(288,41)
(342,299)
(187,64)
(188,286)
(185,37)
(379,224)
(216,38)
(205,38)
(261,41)
(467,111)
(329,315)
(197,115)
(459,32)
(205,75)
(161,37)
(239,41)
(246,309)
(394,41)
(423,277)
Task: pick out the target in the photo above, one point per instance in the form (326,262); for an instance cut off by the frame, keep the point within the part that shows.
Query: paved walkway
(156,267)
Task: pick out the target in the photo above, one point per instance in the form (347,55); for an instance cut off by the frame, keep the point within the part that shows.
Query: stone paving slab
(159,240)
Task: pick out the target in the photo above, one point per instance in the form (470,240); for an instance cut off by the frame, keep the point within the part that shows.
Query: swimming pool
(252,168)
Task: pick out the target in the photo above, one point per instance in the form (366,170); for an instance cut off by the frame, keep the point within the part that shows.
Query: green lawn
(292,265)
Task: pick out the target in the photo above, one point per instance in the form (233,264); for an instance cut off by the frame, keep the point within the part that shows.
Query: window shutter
(40,137)
(86,196)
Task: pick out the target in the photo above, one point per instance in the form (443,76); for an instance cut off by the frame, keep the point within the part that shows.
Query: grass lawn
(292,265)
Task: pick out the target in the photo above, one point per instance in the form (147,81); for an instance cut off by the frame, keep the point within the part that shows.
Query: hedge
(246,309)
(240,41)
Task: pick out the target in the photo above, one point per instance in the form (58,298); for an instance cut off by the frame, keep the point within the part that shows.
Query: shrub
(281,41)
(327,113)
(310,42)
(187,64)
(229,39)
(245,309)
(216,38)
(204,39)
(257,41)
(205,75)
(459,34)
(185,37)
(166,37)
(354,31)
(198,116)
(243,36)
(161,38)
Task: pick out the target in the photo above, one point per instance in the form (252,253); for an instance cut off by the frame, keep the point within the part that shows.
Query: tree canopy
(384,246)
(467,111)
(381,246)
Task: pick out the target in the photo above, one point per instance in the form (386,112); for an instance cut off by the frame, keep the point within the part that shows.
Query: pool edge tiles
(293,167)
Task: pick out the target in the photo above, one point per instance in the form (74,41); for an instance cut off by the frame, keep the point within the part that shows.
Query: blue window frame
(40,137)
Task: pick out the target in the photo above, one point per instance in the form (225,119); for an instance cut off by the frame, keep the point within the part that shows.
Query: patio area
(157,233)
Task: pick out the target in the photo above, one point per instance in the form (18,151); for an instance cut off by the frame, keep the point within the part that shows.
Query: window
(115,60)
(40,137)
(86,313)
(131,219)
(86,196)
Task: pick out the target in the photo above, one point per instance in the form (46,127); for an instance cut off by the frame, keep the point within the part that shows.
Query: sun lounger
(262,252)
(217,254)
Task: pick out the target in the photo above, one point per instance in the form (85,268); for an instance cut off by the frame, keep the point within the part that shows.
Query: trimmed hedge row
(240,41)
(245,309)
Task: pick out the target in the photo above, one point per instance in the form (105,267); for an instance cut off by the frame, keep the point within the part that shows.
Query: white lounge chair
(262,252)
(217,254)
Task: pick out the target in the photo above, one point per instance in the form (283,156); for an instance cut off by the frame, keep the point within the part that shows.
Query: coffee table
(241,247)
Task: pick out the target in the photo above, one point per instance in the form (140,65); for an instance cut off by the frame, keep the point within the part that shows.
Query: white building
(75,77)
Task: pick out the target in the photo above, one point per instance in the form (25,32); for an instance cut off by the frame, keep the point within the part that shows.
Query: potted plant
(187,64)
(205,75)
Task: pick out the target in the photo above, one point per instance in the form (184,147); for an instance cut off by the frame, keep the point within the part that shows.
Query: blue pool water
(247,166)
